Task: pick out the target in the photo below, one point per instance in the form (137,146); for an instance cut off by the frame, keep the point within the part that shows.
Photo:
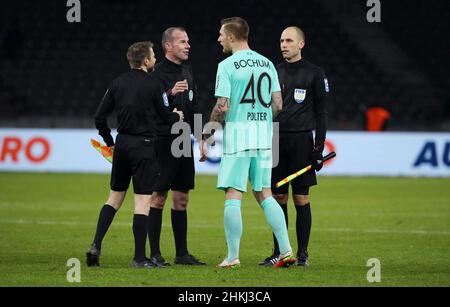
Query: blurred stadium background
(54,73)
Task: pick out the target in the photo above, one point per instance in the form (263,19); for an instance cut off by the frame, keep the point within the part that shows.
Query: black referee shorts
(295,153)
(134,158)
(176,174)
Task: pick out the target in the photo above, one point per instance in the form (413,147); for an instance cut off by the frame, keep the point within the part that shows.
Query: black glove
(317,158)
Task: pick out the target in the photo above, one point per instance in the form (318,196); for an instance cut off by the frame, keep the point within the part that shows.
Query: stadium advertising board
(358,153)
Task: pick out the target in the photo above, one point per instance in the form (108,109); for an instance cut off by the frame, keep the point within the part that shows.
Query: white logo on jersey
(165,99)
(299,95)
(191,95)
(327,87)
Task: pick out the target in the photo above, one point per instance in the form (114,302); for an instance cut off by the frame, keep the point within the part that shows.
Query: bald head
(295,31)
(292,42)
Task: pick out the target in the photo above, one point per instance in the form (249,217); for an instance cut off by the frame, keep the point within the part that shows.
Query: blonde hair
(236,26)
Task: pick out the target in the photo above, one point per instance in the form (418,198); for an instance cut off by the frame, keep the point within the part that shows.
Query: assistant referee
(137,99)
(305,92)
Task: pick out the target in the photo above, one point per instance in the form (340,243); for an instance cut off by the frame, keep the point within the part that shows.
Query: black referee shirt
(170,73)
(305,92)
(138,99)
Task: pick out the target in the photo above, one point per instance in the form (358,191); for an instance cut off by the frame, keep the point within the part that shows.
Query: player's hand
(179,87)
(209,137)
(180,113)
(223,108)
(203,146)
(112,148)
(317,159)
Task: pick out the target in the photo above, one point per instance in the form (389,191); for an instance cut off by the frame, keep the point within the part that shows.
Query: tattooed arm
(218,114)
(277,103)
(220,110)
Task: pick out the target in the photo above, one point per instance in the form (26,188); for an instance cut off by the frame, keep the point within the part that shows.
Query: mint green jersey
(248,79)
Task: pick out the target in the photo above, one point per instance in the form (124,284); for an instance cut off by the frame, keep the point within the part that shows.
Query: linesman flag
(104,150)
(289,178)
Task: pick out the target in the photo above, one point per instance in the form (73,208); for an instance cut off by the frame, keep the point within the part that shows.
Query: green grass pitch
(45,219)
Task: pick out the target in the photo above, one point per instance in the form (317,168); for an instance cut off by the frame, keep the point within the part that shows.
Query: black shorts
(295,153)
(134,158)
(176,174)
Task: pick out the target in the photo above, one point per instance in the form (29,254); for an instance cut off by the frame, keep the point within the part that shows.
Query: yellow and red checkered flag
(331,155)
(104,150)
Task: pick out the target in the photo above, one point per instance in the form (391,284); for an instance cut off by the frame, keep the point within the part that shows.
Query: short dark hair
(138,52)
(167,35)
(236,26)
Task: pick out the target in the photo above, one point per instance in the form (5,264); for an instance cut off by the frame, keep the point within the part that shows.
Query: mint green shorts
(235,169)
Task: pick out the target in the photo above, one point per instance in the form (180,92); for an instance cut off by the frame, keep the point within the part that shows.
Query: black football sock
(179,226)
(303,226)
(104,221)
(276,249)
(154,230)
(140,236)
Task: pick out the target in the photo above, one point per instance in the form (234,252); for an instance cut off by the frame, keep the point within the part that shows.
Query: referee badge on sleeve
(299,95)
(165,99)
(327,86)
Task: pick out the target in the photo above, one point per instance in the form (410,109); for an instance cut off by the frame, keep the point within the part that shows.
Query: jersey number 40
(251,88)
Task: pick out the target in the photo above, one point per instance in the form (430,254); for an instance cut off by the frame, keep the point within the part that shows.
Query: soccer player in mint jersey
(248,93)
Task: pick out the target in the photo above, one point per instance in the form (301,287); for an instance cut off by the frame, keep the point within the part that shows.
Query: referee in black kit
(137,99)
(177,174)
(305,92)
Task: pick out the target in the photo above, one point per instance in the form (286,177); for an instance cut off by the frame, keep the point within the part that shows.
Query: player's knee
(116,206)
(179,206)
(301,200)
(115,199)
(262,195)
(233,194)
(281,198)
(158,200)
(141,204)
(141,208)
(180,201)
(114,203)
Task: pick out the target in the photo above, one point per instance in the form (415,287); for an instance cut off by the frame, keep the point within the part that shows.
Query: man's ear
(301,44)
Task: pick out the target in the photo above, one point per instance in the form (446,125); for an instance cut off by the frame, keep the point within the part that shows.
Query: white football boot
(229,264)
